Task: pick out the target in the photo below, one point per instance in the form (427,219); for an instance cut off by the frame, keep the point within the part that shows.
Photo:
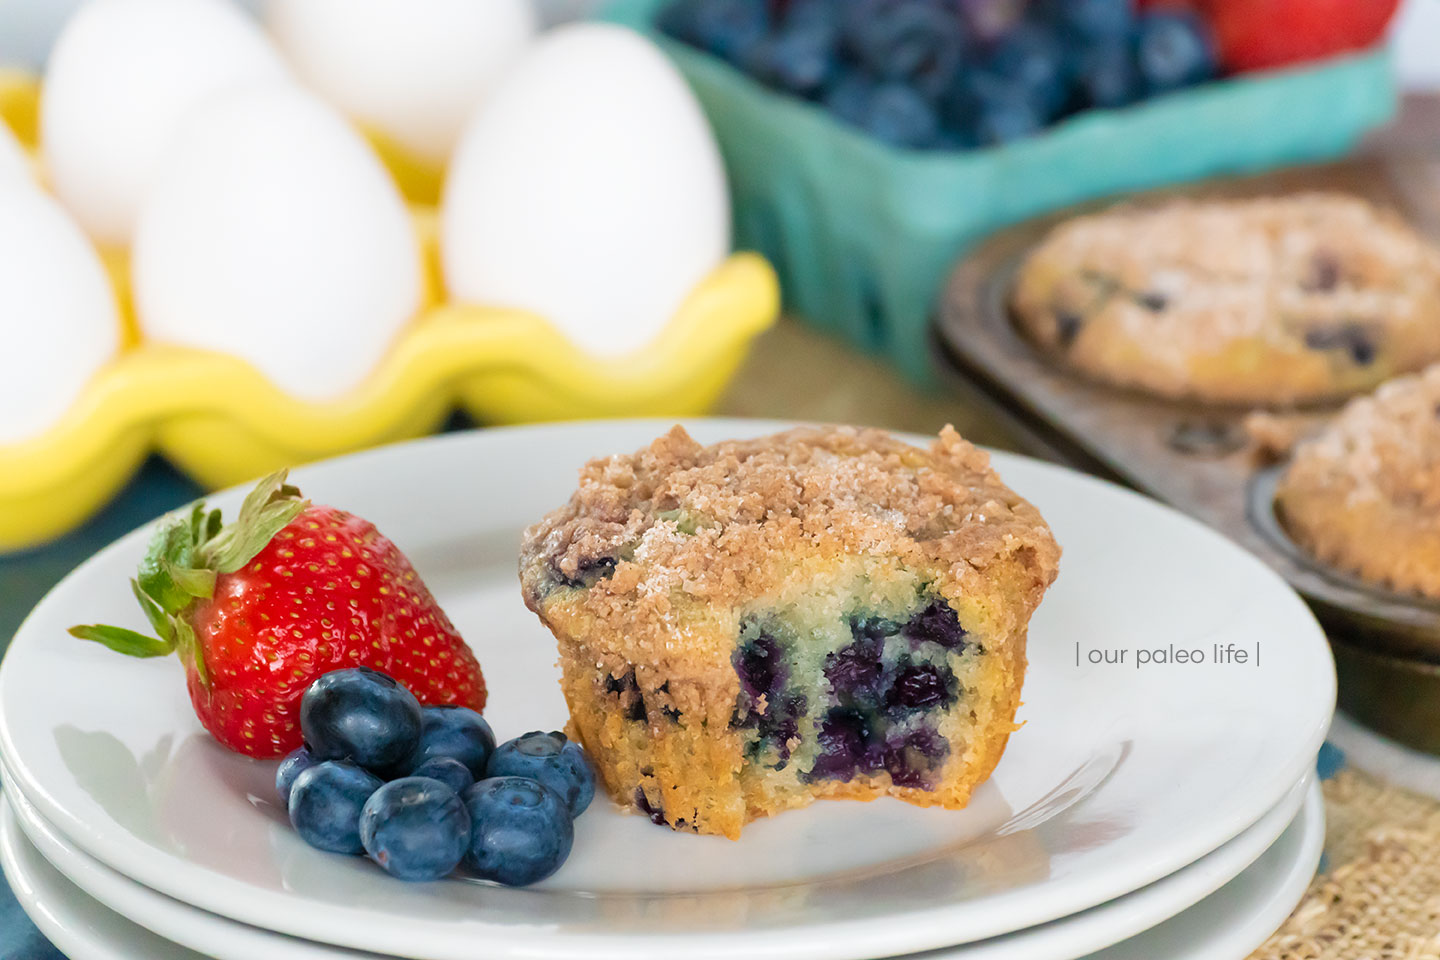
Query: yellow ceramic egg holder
(220,420)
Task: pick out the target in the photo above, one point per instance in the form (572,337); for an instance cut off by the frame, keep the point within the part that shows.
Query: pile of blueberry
(422,789)
(953,74)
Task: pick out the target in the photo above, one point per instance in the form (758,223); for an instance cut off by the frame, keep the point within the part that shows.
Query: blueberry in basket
(953,74)
(421,790)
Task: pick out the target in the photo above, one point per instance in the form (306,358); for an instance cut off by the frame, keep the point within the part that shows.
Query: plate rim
(1097,928)
(1289,886)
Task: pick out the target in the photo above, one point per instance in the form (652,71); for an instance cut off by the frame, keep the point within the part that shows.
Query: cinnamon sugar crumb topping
(1382,447)
(727,524)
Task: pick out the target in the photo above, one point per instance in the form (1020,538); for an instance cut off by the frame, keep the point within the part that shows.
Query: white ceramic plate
(77,925)
(1240,916)
(1120,776)
(1227,925)
(1062,939)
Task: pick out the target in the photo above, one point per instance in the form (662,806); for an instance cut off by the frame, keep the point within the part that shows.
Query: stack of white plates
(1144,810)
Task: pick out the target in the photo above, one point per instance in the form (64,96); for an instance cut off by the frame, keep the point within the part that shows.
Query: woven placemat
(1380,897)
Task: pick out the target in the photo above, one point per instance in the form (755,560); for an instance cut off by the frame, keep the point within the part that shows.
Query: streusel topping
(1382,447)
(728,523)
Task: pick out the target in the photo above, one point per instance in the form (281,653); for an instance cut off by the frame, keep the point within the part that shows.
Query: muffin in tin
(1265,302)
(748,627)
(1363,495)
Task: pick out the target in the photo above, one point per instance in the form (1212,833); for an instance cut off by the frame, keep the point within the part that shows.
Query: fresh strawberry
(1254,34)
(258,609)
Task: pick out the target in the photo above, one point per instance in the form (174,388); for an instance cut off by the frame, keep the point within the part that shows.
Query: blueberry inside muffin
(747,627)
(1271,301)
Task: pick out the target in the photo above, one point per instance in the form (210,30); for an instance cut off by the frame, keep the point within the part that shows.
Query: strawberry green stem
(188,552)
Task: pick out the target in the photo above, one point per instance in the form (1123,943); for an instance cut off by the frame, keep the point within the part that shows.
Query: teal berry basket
(863,234)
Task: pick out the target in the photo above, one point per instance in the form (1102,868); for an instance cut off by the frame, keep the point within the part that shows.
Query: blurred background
(29,27)
(234,241)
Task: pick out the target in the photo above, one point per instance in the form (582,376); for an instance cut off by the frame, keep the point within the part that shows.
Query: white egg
(14,162)
(588,188)
(275,235)
(122,79)
(58,318)
(412,70)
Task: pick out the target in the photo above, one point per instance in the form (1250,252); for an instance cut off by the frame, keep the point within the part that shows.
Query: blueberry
(551,759)
(921,686)
(989,109)
(295,763)
(448,771)
(361,715)
(1174,49)
(416,828)
(1106,74)
(937,623)
(759,666)
(1353,338)
(1091,18)
(920,42)
(777,727)
(803,56)
(1034,62)
(654,812)
(520,830)
(849,98)
(727,28)
(900,116)
(892,112)
(1007,121)
(847,746)
(456,732)
(588,572)
(910,759)
(783,727)
(627,691)
(855,671)
(1152,300)
(1067,329)
(325,805)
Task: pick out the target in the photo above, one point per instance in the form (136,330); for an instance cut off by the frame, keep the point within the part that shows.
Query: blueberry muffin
(1265,302)
(751,626)
(1363,495)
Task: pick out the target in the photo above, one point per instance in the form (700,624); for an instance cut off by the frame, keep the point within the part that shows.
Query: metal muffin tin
(1198,457)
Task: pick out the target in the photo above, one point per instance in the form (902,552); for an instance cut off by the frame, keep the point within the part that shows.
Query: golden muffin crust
(1364,494)
(668,565)
(1269,301)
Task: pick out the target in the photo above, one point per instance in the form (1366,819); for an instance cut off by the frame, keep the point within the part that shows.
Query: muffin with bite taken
(751,626)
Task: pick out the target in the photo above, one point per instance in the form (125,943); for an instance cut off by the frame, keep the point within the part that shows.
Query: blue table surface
(24,579)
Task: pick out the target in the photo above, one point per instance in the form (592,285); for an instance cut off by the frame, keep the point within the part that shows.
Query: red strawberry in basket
(260,608)
(1254,34)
